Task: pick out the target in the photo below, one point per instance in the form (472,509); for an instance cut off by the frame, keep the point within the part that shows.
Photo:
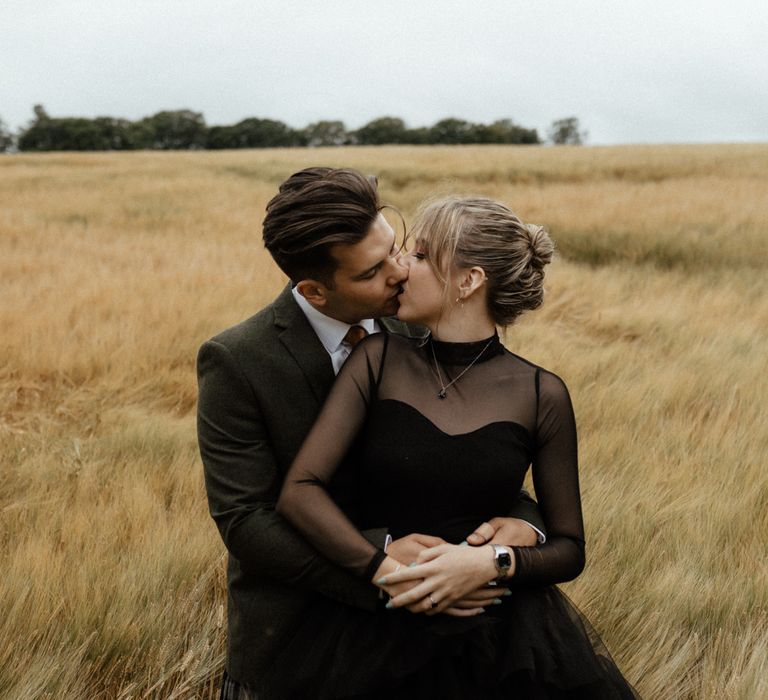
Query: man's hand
(407,549)
(476,602)
(508,531)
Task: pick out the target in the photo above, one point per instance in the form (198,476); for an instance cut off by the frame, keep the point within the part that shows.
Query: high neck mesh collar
(463,353)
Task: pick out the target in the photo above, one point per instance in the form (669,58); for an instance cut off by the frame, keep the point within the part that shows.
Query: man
(262,384)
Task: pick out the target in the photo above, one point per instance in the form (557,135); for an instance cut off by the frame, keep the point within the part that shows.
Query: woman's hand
(388,567)
(445,575)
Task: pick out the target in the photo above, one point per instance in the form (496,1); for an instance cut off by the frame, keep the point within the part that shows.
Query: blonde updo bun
(542,246)
(466,232)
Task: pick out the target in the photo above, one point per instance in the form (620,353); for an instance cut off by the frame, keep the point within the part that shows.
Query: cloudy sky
(652,71)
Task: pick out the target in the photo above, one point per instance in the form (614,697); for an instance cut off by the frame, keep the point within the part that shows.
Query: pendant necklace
(444,387)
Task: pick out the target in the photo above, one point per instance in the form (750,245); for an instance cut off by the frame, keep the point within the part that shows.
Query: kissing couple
(365,438)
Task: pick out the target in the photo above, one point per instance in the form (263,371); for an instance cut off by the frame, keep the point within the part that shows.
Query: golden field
(115,267)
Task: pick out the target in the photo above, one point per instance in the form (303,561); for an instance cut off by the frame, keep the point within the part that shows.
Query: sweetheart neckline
(415,410)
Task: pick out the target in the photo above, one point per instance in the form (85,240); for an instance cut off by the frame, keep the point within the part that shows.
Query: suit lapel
(302,343)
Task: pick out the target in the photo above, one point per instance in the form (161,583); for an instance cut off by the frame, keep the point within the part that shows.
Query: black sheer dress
(441,467)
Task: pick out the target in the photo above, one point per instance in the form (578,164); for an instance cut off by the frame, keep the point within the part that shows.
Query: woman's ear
(470,280)
(313,291)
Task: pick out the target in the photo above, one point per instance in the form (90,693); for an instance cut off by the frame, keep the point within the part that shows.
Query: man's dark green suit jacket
(262,384)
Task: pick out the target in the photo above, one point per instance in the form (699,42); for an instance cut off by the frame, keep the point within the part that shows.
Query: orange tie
(354,335)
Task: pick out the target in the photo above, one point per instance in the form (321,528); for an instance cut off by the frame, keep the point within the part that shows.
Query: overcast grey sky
(655,71)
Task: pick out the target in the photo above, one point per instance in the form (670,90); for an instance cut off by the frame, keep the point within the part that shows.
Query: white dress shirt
(331,331)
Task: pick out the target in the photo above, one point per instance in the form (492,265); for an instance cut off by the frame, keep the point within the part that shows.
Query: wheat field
(115,267)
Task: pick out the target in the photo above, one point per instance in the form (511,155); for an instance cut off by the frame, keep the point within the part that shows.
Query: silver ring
(434,602)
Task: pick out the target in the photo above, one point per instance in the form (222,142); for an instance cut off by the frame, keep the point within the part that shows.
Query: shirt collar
(330,331)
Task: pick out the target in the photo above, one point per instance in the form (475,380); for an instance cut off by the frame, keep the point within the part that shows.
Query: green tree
(141,135)
(76,134)
(222,137)
(253,133)
(505,131)
(453,131)
(6,138)
(67,134)
(117,134)
(40,114)
(419,136)
(567,132)
(176,130)
(326,133)
(35,136)
(382,130)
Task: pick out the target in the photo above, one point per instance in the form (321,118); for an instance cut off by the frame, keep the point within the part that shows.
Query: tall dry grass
(115,267)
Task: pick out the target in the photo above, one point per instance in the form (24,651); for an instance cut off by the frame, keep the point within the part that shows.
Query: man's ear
(313,291)
(470,280)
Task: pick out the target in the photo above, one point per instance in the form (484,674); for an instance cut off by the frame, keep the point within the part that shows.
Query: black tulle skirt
(534,645)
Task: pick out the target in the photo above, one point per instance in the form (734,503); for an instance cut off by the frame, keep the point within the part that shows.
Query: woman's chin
(404,314)
(408,314)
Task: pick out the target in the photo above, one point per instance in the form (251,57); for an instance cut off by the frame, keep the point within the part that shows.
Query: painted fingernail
(389,605)
(463,543)
(507,592)
(412,564)
(497,601)
(382,581)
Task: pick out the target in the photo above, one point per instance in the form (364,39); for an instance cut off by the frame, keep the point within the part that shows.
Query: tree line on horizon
(185,129)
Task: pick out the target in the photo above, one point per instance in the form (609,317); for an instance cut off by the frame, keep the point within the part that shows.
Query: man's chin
(391,308)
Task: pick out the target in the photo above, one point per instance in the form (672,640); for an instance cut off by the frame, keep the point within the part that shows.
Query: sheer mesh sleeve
(556,480)
(305,500)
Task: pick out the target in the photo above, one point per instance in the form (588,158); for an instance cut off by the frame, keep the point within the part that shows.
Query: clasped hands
(427,575)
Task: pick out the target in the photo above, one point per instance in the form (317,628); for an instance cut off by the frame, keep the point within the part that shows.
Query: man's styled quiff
(315,209)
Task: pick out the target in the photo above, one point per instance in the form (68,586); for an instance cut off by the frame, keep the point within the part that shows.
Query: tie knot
(354,335)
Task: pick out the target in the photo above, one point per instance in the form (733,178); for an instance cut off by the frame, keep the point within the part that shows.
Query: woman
(447,429)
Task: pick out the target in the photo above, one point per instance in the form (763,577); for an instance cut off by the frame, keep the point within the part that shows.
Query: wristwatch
(503,561)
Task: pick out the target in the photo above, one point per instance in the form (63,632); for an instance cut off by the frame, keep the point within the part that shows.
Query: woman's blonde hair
(464,232)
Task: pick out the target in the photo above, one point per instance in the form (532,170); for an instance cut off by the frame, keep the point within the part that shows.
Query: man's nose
(400,269)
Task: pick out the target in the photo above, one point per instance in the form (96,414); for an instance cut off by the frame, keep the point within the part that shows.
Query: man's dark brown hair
(314,210)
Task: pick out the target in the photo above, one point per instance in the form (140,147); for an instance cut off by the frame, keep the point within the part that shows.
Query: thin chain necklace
(444,387)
